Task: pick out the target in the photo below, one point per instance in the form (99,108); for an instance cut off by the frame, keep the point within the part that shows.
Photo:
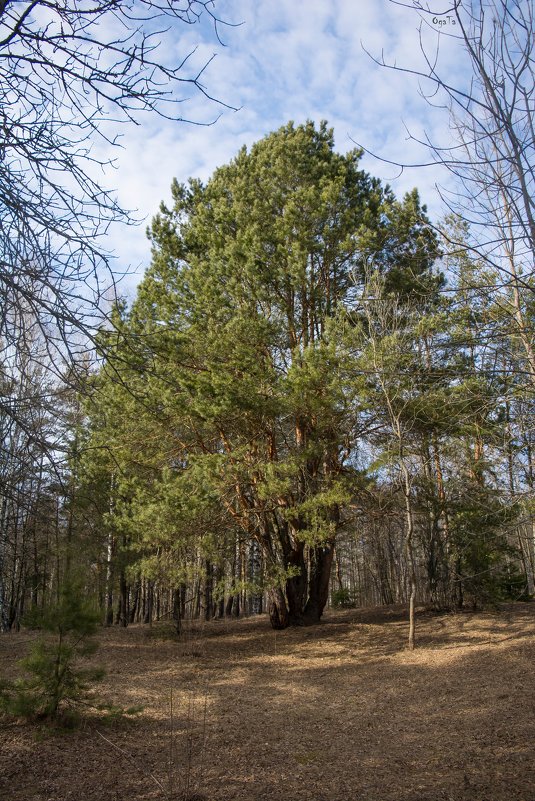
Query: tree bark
(278,609)
(149,605)
(410,553)
(296,586)
(177,610)
(318,582)
(208,590)
(122,617)
(134,607)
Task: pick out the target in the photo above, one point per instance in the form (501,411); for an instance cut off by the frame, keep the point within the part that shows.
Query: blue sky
(288,59)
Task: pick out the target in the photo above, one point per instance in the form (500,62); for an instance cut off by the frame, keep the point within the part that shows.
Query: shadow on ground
(338,712)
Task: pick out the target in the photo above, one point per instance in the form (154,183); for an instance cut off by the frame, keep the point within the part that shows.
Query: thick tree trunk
(318,582)
(255,575)
(278,609)
(229,605)
(306,593)
(134,608)
(296,586)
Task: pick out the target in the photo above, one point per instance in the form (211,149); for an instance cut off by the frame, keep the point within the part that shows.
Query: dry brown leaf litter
(336,712)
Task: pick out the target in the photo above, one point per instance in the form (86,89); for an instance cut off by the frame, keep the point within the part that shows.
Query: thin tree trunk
(177,610)
(4,522)
(149,603)
(208,590)
(409,520)
(110,548)
(123,599)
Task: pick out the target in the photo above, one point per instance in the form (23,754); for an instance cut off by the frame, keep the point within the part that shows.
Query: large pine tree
(236,331)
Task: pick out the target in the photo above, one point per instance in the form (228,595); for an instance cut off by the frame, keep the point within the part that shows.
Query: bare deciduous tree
(492,156)
(70,73)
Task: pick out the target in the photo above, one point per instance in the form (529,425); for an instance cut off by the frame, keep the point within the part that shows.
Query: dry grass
(338,712)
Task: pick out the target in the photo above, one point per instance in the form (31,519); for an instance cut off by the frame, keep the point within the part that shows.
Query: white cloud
(291,59)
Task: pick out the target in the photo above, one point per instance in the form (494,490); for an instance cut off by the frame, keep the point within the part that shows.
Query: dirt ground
(337,712)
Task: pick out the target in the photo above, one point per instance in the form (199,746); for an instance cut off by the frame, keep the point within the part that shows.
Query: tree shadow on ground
(291,716)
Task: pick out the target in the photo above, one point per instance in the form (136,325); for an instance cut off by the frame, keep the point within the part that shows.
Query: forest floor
(337,712)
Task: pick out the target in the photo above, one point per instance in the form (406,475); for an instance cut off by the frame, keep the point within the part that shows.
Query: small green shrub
(52,676)
(341,599)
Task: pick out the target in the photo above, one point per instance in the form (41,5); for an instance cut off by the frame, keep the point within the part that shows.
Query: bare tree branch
(70,73)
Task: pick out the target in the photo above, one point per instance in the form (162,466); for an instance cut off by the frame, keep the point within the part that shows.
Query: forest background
(318,395)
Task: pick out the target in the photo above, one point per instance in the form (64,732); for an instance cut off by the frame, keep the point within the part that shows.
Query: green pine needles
(54,680)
